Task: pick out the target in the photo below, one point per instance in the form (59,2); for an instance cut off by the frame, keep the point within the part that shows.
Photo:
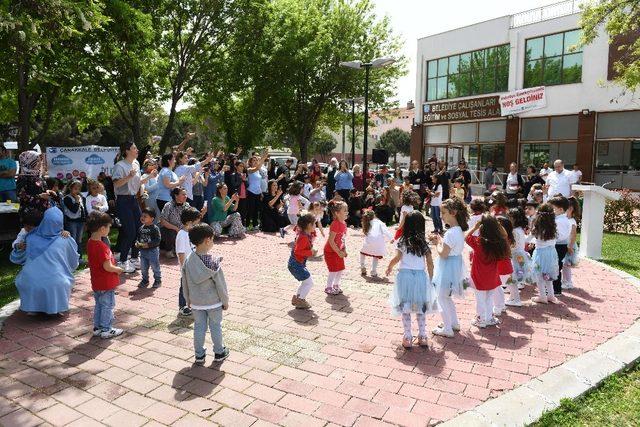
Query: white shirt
(559,183)
(96,203)
(436,200)
(183,244)
(545,172)
(375,242)
(306,190)
(187,171)
(564,229)
(576,176)
(454,238)
(264,183)
(122,170)
(520,239)
(410,261)
(512,183)
(404,210)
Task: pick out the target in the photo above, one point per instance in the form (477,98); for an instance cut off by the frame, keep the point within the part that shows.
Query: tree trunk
(167,136)
(304,149)
(24,108)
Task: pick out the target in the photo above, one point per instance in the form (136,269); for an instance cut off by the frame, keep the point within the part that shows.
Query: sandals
(442,333)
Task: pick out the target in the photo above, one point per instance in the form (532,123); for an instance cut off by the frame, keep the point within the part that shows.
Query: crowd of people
(179,203)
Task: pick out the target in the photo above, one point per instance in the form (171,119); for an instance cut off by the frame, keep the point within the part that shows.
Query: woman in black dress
(273,219)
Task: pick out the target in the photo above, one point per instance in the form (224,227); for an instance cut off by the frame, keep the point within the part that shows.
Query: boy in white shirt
(189,217)
(563,225)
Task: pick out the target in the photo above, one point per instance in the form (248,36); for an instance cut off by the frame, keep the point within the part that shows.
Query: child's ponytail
(367,216)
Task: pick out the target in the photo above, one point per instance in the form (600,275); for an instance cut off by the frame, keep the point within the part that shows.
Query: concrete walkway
(338,364)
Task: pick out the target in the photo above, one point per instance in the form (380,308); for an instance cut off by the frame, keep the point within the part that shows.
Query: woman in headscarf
(46,278)
(31,187)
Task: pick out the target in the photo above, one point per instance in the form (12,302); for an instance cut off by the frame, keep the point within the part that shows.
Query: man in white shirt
(559,181)
(545,171)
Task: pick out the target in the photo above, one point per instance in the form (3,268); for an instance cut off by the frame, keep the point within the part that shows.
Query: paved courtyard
(340,363)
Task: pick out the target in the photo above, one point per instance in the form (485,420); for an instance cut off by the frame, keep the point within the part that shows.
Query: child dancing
(413,291)
(375,236)
(488,240)
(450,277)
(545,257)
(302,250)
(571,259)
(334,250)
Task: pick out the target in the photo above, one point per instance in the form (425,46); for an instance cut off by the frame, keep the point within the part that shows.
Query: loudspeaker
(380,157)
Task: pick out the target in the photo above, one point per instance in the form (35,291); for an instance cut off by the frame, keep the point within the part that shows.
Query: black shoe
(219,357)
(185,312)
(282,233)
(156,284)
(143,284)
(200,360)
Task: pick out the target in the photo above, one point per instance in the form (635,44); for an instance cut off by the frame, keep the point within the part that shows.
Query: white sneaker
(513,303)
(127,267)
(135,263)
(111,333)
(567,285)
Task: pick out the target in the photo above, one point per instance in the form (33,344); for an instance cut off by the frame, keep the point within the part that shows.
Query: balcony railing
(545,13)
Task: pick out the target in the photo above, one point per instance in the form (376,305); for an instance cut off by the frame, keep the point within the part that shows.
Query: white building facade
(587,120)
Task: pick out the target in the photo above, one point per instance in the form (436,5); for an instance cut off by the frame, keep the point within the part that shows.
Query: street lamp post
(352,102)
(358,65)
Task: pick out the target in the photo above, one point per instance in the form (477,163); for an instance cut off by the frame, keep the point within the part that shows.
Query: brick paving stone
(191,420)
(20,418)
(340,363)
(124,418)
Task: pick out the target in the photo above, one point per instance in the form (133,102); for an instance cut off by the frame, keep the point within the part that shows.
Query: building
(587,119)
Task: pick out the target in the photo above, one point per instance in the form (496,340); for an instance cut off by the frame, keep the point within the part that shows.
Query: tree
(39,42)
(620,19)
(322,144)
(122,64)
(395,141)
(194,36)
(303,44)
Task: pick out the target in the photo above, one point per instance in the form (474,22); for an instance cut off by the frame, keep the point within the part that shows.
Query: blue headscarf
(47,232)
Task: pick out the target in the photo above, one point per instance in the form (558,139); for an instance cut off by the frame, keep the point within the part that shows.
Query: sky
(413,19)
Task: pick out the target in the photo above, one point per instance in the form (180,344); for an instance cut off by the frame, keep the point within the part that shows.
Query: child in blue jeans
(149,244)
(104,275)
(205,292)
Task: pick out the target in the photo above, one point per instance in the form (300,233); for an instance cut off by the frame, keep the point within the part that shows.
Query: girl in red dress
(488,249)
(334,250)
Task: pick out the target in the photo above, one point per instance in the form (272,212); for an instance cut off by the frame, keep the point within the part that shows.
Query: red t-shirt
(484,273)
(303,248)
(101,280)
(340,229)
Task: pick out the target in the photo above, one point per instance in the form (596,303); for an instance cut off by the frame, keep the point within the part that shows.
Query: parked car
(282,159)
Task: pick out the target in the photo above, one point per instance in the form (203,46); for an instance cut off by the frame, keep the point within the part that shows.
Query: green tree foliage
(122,64)
(304,41)
(322,144)
(193,37)
(620,18)
(395,141)
(39,44)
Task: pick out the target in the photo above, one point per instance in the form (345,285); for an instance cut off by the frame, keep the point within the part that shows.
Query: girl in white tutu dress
(545,257)
(413,291)
(376,235)
(571,259)
(450,276)
(520,259)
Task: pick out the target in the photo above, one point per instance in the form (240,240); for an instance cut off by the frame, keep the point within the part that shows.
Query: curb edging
(528,402)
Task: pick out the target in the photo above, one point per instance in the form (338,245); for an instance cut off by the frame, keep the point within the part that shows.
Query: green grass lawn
(616,402)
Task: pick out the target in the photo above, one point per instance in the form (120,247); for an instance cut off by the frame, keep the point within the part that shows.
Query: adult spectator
(489,175)
(127,183)
(416,176)
(188,171)
(273,219)
(463,173)
(223,213)
(7,176)
(315,173)
(358,179)
(513,184)
(167,180)
(46,278)
(170,222)
(545,171)
(445,179)
(576,174)
(264,175)
(533,177)
(433,158)
(254,189)
(382,176)
(331,177)
(344,180)
(31,187)
(558,181)
(150,169)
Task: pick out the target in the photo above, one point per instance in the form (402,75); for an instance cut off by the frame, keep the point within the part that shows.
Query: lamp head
(382,62)
(352,64)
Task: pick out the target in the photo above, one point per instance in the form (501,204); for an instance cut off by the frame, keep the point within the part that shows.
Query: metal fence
(545,13)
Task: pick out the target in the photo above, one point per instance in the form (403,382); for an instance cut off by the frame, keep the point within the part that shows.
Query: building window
(472,73)
(553,59)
